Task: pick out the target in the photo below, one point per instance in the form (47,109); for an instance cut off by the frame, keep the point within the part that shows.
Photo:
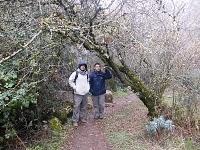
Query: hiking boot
(75,124)
(96,117)
(83,121)
(101,117)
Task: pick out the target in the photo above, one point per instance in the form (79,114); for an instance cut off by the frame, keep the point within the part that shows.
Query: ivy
(14,98)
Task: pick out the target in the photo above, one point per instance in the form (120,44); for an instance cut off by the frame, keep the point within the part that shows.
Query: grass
(125,130)
(123,140)
(54,142)
(119,130)
(168,99)
(121,92)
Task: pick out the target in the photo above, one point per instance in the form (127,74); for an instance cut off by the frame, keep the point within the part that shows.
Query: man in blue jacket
(98,89)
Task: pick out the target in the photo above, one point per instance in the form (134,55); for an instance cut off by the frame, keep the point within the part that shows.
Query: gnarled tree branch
(23,47)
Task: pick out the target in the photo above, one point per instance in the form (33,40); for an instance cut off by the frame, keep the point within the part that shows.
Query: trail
(90,136)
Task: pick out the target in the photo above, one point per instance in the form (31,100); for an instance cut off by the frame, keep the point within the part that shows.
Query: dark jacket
(97,82)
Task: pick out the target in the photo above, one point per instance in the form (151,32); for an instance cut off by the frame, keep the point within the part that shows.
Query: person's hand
(106,67)
(103,69)
(74,88)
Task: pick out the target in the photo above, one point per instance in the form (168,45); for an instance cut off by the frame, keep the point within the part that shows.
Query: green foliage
(189,145)
(54,141)
(15,97)
(10,131)
(51,145)
(62,113)
(28,82)
(159,126)
(55,124)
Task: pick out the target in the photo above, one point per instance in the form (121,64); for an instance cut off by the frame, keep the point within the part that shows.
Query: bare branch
(23,47)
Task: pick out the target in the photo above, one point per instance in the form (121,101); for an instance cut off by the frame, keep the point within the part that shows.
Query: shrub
(15,99)
(55,124)
(159,125)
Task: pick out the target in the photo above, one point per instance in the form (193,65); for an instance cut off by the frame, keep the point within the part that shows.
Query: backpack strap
(87,77)
(76,76)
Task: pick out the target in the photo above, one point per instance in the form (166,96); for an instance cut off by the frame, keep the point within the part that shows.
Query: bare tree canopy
(150,46)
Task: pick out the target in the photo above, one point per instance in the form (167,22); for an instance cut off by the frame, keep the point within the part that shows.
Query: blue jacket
(97,82)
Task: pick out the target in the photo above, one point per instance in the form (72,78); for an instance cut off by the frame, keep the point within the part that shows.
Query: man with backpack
(79,81)
(98,89)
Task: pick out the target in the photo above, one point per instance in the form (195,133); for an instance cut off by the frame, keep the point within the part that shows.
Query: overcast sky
(190,14)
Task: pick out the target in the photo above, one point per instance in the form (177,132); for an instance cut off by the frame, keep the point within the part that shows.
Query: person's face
(97,67)
(82,67)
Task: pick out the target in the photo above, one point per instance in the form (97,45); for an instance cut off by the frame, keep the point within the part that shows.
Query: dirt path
(90,136)
(122,129)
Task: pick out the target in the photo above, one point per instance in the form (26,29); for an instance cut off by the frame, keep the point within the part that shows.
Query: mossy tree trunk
(127,77)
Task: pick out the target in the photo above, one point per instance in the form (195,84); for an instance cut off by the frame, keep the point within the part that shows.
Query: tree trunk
(127,77)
